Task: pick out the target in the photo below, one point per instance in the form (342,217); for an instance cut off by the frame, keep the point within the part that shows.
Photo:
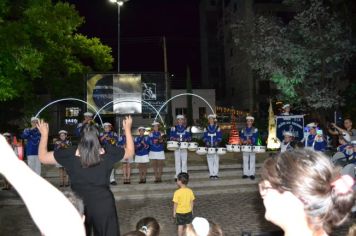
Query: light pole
(119,3)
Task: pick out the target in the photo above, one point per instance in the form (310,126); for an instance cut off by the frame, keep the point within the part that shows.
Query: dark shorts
(184,219)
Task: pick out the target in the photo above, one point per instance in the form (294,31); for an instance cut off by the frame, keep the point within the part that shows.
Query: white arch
(130,100)
(68,99)
(184,94)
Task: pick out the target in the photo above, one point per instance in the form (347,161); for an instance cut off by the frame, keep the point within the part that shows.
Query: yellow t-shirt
(183,197)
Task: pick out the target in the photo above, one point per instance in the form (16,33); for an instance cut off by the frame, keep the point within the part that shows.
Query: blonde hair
(309,176)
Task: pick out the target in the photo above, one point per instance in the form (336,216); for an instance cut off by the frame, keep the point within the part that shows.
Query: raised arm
(130,148)
(44,155)
(50,210)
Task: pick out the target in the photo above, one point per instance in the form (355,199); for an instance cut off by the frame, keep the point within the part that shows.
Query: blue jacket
(142,145)
(156,144)
(249,133)
(60,144)
(33,137)
(112,138)
(122,141)
(180,133)
(318,146)
(212,136)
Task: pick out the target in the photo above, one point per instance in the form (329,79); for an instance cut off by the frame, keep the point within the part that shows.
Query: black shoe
(252,177)
(113,183)
(244,176)
(211,177)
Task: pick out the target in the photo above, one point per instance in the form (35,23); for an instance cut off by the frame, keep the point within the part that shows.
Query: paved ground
(234,212)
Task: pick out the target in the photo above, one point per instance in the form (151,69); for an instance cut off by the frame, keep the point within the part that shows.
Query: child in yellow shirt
(183,203)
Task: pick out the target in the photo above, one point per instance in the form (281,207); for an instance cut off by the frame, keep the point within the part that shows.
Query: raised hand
(127,123)
(42,126)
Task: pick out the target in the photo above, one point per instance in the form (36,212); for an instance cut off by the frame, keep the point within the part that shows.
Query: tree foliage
(306,57)
(41,50)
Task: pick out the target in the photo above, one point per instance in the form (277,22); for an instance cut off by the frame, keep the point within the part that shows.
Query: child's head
(201,226)
(182,178)
(149,226)
(134,233)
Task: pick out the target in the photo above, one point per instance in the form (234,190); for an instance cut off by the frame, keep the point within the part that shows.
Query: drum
(192,146)
(229,147)
(202,151)
(246,148)
(172,145)
(236,148)
(211,150)
(259,149)
(221,151)
(183,145)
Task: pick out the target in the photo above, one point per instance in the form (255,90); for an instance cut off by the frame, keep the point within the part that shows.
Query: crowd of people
(301,183)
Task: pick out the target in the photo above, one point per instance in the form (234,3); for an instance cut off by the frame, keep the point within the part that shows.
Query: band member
(249,136)
(287,144)
(212,138)
(315,139)
(156,154)
(62,143)
(180,133)
(126,163)
(88,117)
(286,110)
(109,137)
(33,136)
(141,153)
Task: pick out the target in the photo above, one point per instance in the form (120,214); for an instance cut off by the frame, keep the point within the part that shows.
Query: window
(181,111)
(202,112)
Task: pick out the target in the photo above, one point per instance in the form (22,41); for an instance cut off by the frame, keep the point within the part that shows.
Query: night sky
(143,23)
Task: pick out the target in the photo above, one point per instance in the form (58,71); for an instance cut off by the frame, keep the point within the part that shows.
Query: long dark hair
(89,145)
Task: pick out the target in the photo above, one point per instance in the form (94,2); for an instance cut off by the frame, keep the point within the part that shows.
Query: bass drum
(202,151)
(192,146)
(236,148)
(183,145)
(211,150)
(259,149)
(246,148)
(172,145)
(221,151)
(229,147)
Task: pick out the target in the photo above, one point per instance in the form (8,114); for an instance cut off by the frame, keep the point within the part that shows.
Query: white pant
(249,161)
(34,163)
(180,156)
(112,176)
(213,164)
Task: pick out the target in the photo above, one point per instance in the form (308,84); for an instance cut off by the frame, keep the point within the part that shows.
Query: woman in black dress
(89,167)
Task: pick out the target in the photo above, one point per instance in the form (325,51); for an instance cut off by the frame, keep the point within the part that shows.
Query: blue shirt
(318,145)
(249,133)
(212,136)
(33,137)
(142,145)
(156,143)
(180,133)
(112,138)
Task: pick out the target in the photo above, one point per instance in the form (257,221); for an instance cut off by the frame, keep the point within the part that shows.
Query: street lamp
(119,3)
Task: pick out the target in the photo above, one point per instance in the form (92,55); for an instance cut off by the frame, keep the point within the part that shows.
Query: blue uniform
(249,158)
(316,145)
(249,134)
(61,144)
(155,141)
(180,133)
(112,138)
(33,137)
(142,146)
(212,136)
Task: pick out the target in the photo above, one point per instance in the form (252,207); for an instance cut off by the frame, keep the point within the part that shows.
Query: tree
(41,51)
(306,58)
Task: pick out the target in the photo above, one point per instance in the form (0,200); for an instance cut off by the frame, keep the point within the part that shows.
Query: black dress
(92,184)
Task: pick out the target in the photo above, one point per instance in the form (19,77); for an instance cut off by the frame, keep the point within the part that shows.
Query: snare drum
(246,148)
(221,151)
(236,148)
(211,150)
(172,145)
(202,151)
(259,149)
(183,145)
(192,146)
(229,147)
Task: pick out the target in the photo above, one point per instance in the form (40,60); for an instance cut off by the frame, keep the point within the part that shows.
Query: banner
(294,124)
(100,92)
(153,92)
(127,94)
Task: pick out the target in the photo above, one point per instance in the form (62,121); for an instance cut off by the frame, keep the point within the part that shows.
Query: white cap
(141,127)
(6,134)
(288,133)
(88,114)
(107,124)
(201,226)
(250,118)
(180,117)
(62,132)
(346,136)
(155,123)
(311,125)
(285,106)
(212,116)
(34,119)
